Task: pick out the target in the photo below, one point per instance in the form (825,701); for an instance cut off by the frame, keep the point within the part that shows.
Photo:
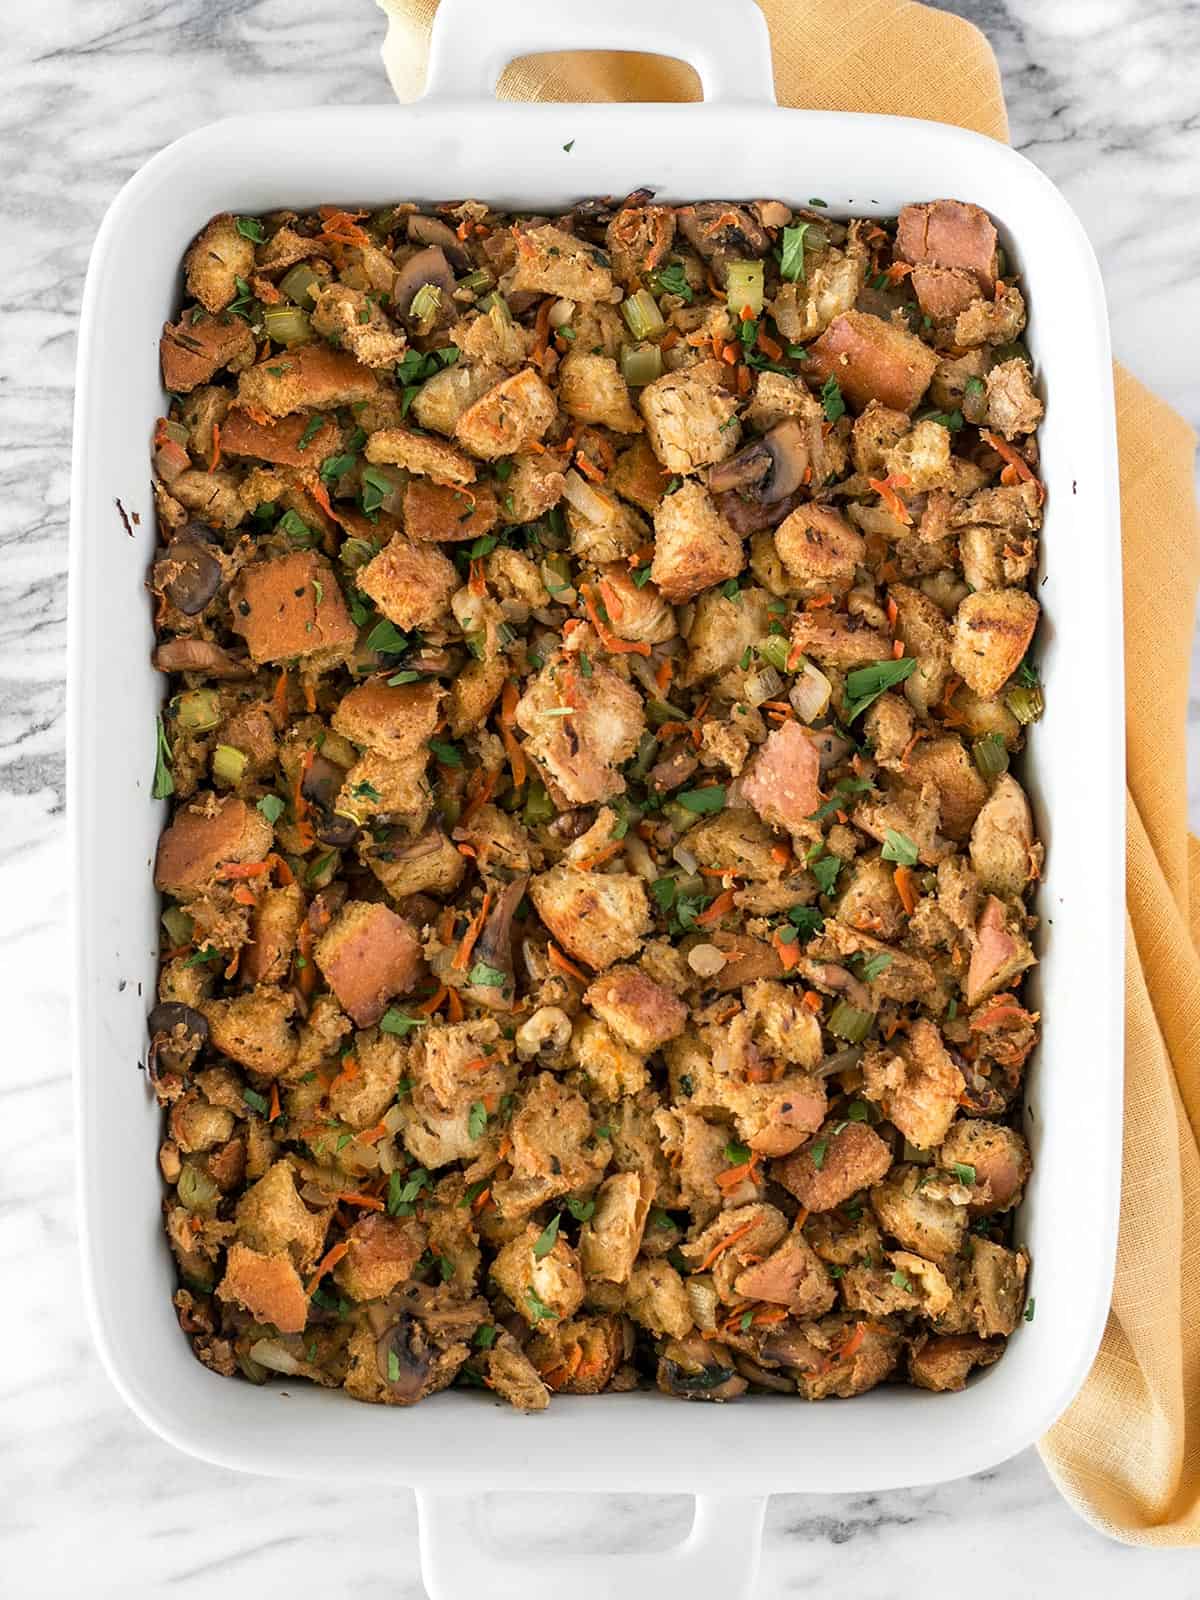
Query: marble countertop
(1102,96)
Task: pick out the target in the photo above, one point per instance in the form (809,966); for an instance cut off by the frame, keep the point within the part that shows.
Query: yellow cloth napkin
(1127,1452)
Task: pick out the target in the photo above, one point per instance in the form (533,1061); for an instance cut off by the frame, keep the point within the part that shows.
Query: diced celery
(991,755)
(198,710)
(640,364)
(301,284)
(1026,704)
(849,1023)
(641,312)
(228,764)
(775,650)
(744,287)
(287,325)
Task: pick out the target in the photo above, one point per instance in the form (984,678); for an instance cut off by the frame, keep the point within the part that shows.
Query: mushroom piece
(547,1034)
(188,574)
(746,515)
(200,655)
(432,231)
(403,1356)
(494,949)
(769,469)
(722,233)
(427,266)
(828,975)
(177,1035)
(694,1369)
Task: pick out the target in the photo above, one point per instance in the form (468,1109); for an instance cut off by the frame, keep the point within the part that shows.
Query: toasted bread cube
(850,1160)
(350,318)
(539,1286)
(991,635)
(437,511)
(410,583)
(213,496)
(271,1217)
(783,783)
(997,1282)
(607,530)
(944,1363)
(383,1252)
(944,291)
(922,456)
(376,785)
(458,1064)
(191,352)
(395,719)
(872,360)
(292,606)
(636,1008)
(999,1157)
(612,1236)
(694,547)
(949,233)
(598,918)
(278,442)
(442,399)
(657,1299)
(368,956)
(310,377)
(534,487)
(214,263)
(1003,851)
(933,1227)
(611,1065)
(474,692)
(998,321)
(874,433)
(639,476)
(508,418)
(916,1083)
(205,834)
(591,389)
(834,639)
(267,1286)
(820,549)
(793,1275)
(552,261)
(1013,407)
(254,1029)
(691,418)
(274,926)
(607,720)
(361,1098)
(1000,951)
(429,865)
(419,453)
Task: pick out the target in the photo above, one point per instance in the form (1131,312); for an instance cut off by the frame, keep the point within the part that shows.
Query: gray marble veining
(1101,95)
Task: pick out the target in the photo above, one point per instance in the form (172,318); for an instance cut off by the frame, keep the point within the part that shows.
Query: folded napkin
(1127,1452)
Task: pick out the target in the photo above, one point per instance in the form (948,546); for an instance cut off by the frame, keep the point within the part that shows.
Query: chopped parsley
(732,590)
(703,801)
(641,576)
(964,1172)
(737,1154)
(581,1210)
(366,791)
(334,467)
(817,1153)
(376,486)
(315,423)
(672,280)
(485,977)
(403,1190)
(844,789)
(448,754)
(255,1101)
(164,783)
(385,638)
(974,385)
(831,399)
(403,677)
(251,228)
(825,870)
(901,1279)
(484,1336)
(400,1023)
(271,806)
(806,920)
(898,847)
(538,1309)
(294,527)
(1029,1309)
(569,146)
(393,1365)
(791,260)
(545,1240)
(876,964)
(477,1121)
(865,684)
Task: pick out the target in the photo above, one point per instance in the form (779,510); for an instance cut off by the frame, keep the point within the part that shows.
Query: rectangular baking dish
(459,141)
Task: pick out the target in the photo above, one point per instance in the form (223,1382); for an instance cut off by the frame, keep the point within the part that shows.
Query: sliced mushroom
(427,266)
(745,514)
(177,1035)
(694,1369)
(828,975)
(403,1356)
(722,233)
(494,949)
(200,655)
(769,469)
(432,231)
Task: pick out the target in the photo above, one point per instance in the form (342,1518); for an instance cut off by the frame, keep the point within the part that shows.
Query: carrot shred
(897,271)
(727,1015)
(214,460)
(605,853)
(819,602)
(720,906)
(481,1200)
(669,339)
(508,704)
(243,869)
(768,346)
(462,956)
(893,611)
(723,1244)
(310,694)
(283,872)
(318,492)
(812,1000)
(279,697)
(483,784)
(273,1112)
(477,583)
(905,888)
(365,1202)
(610,641)
(1015,460)
(789,954)
(371,1136)
(428,1007)
(589,468)
(308,972)
(454,1006)
(886,488)
(897,649)
(541,330)
(516,756)
(730,353)
(244,895)
(557,959)
(326,1264)
(852,1343)
(781,854)
(613,603)
(466,850)
(743,380)
(662,678)
(477,1065)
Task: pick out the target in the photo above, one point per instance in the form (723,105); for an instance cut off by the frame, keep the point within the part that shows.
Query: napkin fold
(1126,1453)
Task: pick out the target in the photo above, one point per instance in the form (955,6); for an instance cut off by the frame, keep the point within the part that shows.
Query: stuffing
(195,349)
(367,957)
(636,1009)
(1004,854)
(916,1083)
(592,390)
(582,751)
(1013,407)
(420,453)
(840,1159)
(551,261)
(870,359)
(691,418)
(311,377)
(611,1237)
(511,417)
(204,835)
(992,632)
(694,547)
(292,606)
(598,918)
(410,583)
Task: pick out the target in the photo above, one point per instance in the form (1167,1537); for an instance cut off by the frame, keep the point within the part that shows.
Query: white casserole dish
(458,141)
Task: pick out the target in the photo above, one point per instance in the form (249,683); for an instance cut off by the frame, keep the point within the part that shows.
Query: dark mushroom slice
(177,1034)
(200,655)
(494,950)
(768,470)
(746,514)
(722,233)
(694,1369)
(428,266)
(433,231)
(188,574)
(404,1355)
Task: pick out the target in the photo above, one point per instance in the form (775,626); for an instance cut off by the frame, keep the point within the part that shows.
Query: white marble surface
(1102,95)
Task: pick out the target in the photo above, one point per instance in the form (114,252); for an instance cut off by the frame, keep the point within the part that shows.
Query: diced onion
(561,313)
(179,925)
(810,693)
(685,858)
(271,1354)
(640,364)
(641,312)
(849,1023)
(581,497)
(228,763)
(199,710)
(702,1301)
(915,1154)
(706,960)
(839,1061)
(764,685)
(176,432)
(641,860)
(744,287)
(287,325)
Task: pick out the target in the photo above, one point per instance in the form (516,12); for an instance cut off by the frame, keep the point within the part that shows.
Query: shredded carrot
(720,906)
(541,330)
(643,553)
(669,339)
(244,895)
(515,754)
(613,603)
(723,1244)
(508,704)
(326,1264)
(897,271)
(481,1200)
(605,853)
(897,649)
(905,888)
(310,694)
(365,1202)
(428,1007)
(279,697)
(466,850)
(886,488)
(257,414)
(781,854)
(308,972)
(662,678)
(819,602)
(273,1113)
(371,1136)
(462,956)
(557,959)
(812,1000)
(243,869)
(608,638)
(477,1065)
(342,228)
(588,467)
(214,460)
(743,1172)
(454,1006)
(478,579)
(788,954)
(727,1015)
(283,872)
(348,1073)
(893,612)
(852,1343)
(1015,460)
(768,346)
(730,353)
(481,787)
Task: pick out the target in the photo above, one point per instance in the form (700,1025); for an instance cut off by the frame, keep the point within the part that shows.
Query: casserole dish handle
(472,43)
(717,1561)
